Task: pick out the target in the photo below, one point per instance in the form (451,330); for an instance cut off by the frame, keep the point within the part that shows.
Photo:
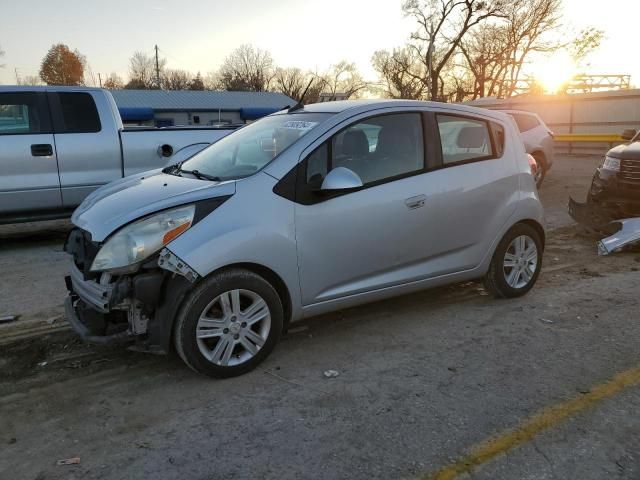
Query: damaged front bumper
(135,307)
(70,309)
(610,198)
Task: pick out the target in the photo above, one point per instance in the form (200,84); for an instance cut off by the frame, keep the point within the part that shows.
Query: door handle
(41,150)
(415,202)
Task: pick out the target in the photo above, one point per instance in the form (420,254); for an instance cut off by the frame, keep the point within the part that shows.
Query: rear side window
(78,113)
(464,139)
(23,113)
(525,122)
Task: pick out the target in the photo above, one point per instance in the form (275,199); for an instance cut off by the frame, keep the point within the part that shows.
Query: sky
(196,35)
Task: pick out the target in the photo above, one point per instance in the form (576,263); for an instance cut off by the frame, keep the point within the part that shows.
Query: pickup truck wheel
(229,324)
(516,263)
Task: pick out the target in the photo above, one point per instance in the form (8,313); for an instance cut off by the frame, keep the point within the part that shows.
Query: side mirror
(628,134)
(341,178)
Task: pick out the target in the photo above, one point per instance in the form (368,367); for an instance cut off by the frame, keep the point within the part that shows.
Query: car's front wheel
(516,263)
(229,324)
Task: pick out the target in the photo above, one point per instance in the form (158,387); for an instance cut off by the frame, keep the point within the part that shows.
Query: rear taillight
(533,165)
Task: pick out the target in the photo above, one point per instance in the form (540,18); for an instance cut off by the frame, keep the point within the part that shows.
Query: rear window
(464,139)
(79,113)
(23,113)
(525,122)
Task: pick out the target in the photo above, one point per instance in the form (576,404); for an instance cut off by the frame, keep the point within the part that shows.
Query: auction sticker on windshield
(299,125)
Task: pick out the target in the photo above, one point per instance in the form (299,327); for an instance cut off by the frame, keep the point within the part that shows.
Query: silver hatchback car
(307,211)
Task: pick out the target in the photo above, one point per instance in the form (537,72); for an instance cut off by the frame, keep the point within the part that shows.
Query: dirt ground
(424,380)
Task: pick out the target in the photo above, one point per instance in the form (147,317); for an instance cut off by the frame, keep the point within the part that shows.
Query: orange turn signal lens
(171,234)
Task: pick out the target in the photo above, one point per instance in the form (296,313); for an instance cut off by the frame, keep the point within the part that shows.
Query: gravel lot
(427,382)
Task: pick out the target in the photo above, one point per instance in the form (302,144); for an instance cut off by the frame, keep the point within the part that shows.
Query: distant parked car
(58,144)
(306,211)
(538,140)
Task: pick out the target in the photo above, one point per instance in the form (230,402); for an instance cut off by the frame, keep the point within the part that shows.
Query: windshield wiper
(199,175)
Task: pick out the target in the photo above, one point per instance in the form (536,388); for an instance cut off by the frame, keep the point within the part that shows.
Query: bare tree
(142,71)
(30,80)
(344,78)
(584,44)
(1,55)
(247,68)
(176,79)
(442,24)
(212,81)
(294,83)
(113,82)
(528,22)
(290,81)
(400,72)
(495,54)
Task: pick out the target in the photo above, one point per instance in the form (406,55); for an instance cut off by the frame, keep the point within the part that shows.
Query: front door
(374,237)
(28,168)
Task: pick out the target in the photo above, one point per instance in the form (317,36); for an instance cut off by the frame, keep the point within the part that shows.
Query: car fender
(249,228)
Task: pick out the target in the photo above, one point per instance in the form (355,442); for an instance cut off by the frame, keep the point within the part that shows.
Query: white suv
(538,140)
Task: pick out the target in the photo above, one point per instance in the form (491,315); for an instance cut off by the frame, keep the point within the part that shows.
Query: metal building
(165,108)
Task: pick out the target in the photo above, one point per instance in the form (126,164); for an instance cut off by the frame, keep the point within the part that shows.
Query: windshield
(251,148)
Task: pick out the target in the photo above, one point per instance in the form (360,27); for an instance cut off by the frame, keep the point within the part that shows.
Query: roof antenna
(300,105)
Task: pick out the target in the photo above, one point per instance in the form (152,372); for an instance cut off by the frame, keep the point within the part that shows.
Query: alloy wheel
(520,261)
(233,327)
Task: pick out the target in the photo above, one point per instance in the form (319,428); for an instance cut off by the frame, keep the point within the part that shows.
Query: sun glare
(555,71)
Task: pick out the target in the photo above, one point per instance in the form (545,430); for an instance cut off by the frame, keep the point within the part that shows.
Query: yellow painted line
(513,438)
(587,137)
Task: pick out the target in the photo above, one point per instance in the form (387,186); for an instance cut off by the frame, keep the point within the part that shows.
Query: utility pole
(17,76)
(99,79)
(157,69)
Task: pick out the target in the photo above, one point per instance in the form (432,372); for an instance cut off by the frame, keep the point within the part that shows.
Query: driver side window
(376,149)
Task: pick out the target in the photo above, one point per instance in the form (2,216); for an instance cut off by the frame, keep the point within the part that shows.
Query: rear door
(87,144)
(28,168)
(474,191)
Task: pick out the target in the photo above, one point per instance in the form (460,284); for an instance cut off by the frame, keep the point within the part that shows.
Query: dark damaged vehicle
(613,201)
(615,189)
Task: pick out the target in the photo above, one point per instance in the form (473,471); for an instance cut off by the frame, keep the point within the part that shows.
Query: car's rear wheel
(229,324)
(516,263)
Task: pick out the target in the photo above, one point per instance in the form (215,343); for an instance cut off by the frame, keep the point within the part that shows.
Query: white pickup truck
(58,144)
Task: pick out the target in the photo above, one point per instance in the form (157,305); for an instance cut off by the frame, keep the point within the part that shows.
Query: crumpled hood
(630,151)
(120,202)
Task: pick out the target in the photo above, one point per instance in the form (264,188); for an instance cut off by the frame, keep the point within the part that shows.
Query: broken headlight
(142,238)
(611,163)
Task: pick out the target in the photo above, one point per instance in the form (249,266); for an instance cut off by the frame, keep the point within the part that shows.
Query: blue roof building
(165,108)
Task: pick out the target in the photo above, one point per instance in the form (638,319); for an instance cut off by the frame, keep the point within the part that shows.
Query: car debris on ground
(628,234)
(9,318)
(331,373)
(69,461)
(619,232)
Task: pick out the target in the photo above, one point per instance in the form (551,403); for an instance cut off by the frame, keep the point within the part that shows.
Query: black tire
(495,280)
(542,168)
(194,305)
